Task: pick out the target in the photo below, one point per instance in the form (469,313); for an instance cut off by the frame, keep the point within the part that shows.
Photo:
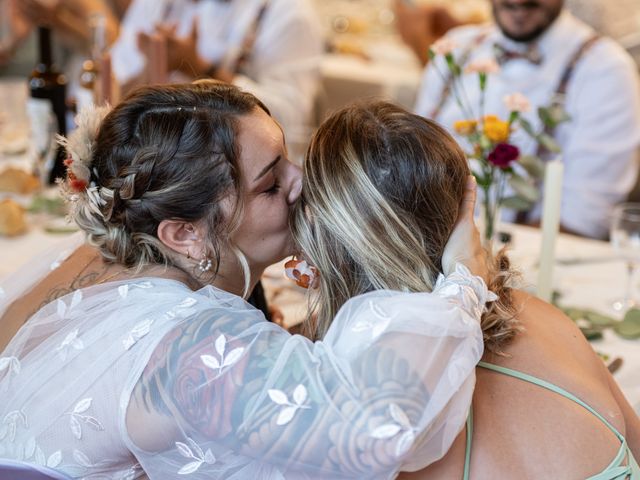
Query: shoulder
(551,344)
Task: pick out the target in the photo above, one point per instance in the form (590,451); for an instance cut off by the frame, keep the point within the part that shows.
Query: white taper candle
(551,202)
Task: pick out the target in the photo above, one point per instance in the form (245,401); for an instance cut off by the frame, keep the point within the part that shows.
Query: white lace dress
(215,391)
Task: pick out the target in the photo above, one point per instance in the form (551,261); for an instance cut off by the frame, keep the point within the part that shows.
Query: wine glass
(625,239)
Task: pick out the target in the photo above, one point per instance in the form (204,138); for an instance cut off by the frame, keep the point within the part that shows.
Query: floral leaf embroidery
(123,291)
(198,453)
(378,311)
(70,341)
(210,361)
(281,398)
(76,299)
(54,459)
(278,396)
(76,429)
(183,309)
(405,443)
(132,472)
(189,468)
(11,420)
(389,430)
(399,416)
(76,417)
(233,356)
(137,332)
(11,364)
(184,450)
(40,458)
(221,343)
(199,456)
(220,346)
(300,394)
(82,459)
(83,405)
(187,302)
(61,307)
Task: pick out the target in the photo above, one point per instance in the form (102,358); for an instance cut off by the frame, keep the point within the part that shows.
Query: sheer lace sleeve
(227,395)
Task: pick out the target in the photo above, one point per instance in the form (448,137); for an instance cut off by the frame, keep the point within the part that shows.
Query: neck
(230,278)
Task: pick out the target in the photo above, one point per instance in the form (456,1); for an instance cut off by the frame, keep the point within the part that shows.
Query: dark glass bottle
(48,84)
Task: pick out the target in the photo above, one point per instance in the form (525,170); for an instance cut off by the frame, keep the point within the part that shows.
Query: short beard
(529,36)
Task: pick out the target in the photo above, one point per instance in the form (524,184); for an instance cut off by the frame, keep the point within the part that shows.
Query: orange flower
(495,129)
(301,272)
(465,127)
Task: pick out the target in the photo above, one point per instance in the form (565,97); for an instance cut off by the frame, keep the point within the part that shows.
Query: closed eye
(275,188)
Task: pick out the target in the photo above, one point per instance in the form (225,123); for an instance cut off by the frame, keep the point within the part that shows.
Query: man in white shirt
(271,48)
(602,97)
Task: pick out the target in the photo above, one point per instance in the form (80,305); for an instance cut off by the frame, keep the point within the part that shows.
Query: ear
(184,238)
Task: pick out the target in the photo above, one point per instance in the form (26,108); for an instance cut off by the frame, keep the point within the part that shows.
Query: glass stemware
(625,239)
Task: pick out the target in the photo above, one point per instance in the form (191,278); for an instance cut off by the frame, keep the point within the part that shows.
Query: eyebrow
(268,167)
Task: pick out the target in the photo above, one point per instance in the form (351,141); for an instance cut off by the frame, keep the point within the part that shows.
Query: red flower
(503,155)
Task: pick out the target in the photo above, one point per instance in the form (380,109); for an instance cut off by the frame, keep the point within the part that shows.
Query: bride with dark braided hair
(138,355)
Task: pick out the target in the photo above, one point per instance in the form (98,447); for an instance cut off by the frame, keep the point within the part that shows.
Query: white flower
(517,102)
(485,65)
(444,46)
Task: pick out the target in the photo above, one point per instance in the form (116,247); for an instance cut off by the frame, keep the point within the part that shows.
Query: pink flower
(517,102)
(486,65)
(503,155)
(444,46)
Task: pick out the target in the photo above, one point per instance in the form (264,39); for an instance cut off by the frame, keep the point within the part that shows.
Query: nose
(296,184)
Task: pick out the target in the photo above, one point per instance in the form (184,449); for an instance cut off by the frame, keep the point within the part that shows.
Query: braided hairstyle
(165,152)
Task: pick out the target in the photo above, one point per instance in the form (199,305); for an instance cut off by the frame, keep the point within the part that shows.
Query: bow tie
(503,55)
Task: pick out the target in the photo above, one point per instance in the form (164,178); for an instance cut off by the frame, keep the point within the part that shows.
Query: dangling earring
(205,264)
(188,255)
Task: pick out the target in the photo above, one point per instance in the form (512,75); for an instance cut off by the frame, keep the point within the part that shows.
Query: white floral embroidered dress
(214,391)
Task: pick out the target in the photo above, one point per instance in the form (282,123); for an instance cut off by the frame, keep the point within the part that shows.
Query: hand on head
(464,244)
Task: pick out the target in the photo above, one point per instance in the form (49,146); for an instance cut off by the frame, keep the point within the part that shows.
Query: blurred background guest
(271,48)
(420,24)
(69,21)
(549,55)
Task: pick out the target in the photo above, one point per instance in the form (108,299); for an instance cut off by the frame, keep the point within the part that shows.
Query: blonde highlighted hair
(381,192)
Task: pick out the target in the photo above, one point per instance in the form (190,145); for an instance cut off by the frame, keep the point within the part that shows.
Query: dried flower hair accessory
(79,147)
(301,272)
